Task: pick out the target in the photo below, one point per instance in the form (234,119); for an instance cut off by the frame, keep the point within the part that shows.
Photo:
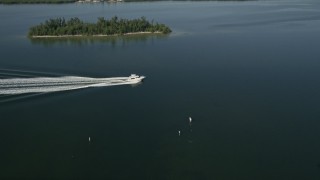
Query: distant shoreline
(36,1)
(55,1)
(85,1)
(97,35)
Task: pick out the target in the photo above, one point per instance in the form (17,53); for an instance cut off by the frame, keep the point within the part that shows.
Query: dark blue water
(246,72)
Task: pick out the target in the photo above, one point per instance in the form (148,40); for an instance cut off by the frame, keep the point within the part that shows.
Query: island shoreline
(97,35)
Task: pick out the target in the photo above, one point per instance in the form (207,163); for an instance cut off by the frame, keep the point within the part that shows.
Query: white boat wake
(15,86)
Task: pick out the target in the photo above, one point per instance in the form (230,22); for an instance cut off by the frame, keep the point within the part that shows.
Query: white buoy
(89,139)
(179,133)
(190,120)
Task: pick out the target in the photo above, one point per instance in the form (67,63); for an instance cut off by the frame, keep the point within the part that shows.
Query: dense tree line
(74,26)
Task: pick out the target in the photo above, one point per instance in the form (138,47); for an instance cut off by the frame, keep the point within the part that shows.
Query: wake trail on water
(17,86)
(10,73)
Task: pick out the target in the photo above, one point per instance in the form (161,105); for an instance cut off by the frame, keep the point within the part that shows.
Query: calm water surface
(246,72)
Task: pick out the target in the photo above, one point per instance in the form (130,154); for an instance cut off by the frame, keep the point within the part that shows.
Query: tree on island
(114,26)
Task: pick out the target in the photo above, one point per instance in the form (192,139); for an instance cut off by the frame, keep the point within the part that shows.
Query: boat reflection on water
(89,40)
(137,84)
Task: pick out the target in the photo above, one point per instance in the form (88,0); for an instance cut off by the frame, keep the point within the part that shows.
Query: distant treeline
(181,0)
(71,1)
(36,1)
(74,26)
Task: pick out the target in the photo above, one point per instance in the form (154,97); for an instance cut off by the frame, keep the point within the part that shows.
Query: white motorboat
(135,78)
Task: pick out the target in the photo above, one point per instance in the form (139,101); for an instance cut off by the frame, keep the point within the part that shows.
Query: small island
(75,27)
